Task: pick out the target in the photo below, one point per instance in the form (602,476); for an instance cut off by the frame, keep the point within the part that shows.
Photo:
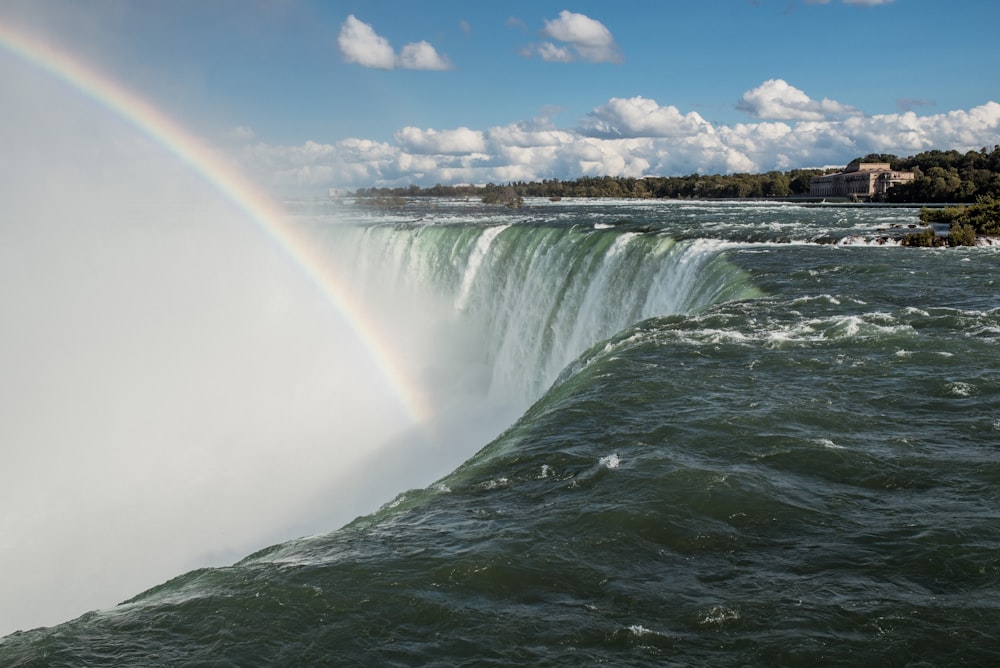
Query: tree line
(941,176)
(948,176)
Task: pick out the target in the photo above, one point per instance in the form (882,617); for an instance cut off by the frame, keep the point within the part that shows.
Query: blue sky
(317,94)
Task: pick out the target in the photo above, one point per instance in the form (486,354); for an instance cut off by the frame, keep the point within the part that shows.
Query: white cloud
(578,37)
(422,56)
(777,100)
(624,137)
(959,129)
(529,134)
(756,138)
(359,43)
(461,140)
(554,54)
(641,117)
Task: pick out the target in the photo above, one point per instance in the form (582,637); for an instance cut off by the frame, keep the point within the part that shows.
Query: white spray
(174,392)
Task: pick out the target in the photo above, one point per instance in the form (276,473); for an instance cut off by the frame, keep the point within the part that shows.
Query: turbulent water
(744,435)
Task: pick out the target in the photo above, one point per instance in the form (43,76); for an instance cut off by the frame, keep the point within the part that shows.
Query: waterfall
(531,298)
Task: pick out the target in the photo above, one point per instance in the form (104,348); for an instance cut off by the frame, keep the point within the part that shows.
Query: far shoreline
(830,202)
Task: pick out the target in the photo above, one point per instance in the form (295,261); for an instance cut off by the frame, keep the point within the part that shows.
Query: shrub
(924,239)
(961,234)
(984,216)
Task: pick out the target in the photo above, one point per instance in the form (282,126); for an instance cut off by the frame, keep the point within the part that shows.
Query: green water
(747,444)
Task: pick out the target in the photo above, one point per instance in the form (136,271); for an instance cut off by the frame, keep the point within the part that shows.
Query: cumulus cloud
(576,37)
(552,53)
(623,137)
(641,117)
(359,43)
(461,140)
(529,134)
(777,100)
(422,56)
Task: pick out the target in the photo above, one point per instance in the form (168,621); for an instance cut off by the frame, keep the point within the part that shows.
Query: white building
(862,180)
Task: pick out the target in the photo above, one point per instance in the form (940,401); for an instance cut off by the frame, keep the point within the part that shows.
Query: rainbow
(230,183)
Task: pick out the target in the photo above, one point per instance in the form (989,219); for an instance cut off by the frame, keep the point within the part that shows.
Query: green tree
(776,184)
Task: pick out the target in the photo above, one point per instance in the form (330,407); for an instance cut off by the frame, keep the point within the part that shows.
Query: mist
(175,392)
